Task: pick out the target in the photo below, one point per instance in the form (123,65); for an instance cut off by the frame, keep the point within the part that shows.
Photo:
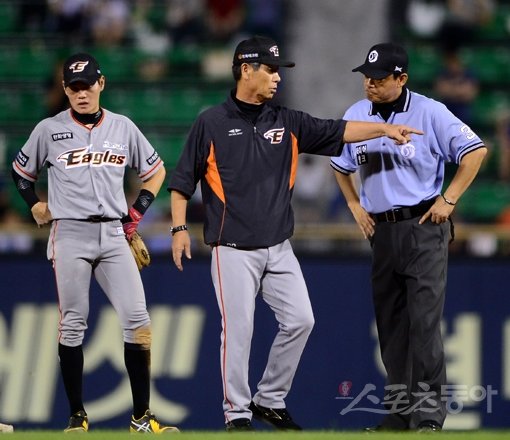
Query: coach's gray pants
(238,276)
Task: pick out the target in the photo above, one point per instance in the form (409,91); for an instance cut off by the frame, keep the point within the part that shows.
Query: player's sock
(137,362)
(71,366)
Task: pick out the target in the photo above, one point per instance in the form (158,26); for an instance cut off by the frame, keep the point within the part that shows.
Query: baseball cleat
(279,418)
(6,429)
(149,424)
(78,423)
(241,424)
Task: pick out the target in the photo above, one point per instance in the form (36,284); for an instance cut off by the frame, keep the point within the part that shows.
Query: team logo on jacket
(82,157)
(275,135)
(407,150)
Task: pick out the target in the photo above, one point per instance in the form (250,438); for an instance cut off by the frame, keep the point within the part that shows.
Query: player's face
(384,90)
(263,83)
(84,99)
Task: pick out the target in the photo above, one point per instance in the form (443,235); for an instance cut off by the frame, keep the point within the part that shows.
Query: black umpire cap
(259,49)
(81,67)
(383,60)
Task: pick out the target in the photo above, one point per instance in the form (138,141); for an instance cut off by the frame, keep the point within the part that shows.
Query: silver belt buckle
(390,216)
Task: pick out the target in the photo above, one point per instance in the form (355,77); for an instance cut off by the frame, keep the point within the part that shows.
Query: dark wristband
(178,229)
(144,200)
(26,189)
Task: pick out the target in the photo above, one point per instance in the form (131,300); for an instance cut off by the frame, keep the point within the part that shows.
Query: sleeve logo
(275,135)
(151,160)
(22,159)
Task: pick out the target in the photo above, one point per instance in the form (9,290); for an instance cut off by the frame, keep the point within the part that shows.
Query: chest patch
(361,154)
(61,136)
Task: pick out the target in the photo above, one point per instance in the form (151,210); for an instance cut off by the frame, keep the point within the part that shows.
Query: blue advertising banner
(339,384)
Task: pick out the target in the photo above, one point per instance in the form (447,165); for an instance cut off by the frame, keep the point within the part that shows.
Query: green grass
(269,435)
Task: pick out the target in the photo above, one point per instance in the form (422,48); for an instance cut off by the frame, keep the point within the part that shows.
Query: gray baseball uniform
(86,169)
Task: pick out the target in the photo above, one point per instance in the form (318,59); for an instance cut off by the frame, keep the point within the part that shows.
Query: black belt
(403,213)
(98,219)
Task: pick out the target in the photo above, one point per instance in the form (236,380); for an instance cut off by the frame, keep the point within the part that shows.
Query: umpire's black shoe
(279,418)
(429,426)
(239,425)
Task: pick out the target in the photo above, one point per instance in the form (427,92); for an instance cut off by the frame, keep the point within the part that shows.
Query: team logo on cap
(274,51)
(373,56)
(78,66)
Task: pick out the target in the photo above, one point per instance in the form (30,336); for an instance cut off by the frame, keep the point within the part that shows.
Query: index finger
(413,130)
(425,217)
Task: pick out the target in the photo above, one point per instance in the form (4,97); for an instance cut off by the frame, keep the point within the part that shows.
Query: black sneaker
(279,418)
(78,423)
(240,424)
(429,426)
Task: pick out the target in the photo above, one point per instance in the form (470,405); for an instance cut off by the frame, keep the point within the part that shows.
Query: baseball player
(402,211)
(86,150)
(244,152)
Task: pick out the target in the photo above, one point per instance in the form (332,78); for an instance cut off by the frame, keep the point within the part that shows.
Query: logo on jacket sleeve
(275,135)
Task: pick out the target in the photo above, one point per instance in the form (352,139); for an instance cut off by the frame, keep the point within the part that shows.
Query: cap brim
(370,72)
(266,61)
(89,81)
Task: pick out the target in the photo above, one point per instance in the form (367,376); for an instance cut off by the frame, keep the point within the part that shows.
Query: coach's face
(260,83)
(384,90)
(83,98)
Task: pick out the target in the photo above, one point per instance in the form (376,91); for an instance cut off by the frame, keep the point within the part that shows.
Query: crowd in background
(159,26)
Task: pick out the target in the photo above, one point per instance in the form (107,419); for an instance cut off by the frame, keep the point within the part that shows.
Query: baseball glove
(139,251)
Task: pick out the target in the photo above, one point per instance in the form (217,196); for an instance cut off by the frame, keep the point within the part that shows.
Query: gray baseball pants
(238,277)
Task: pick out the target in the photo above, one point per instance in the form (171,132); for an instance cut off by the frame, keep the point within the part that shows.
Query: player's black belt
(99,219)
(403,213)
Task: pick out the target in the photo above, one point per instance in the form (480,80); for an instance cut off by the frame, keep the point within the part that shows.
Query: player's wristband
(144,200)
(448,202)
(178,229)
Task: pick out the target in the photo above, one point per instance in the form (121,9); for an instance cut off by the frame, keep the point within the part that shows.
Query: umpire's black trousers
(408,281)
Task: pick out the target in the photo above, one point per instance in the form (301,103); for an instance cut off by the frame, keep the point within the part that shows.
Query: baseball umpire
(245,152)
(86,150)
(402,211)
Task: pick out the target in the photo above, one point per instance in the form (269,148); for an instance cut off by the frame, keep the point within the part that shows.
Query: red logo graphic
(344,389)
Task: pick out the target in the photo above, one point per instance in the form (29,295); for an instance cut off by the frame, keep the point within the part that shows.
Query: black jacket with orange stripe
(247,171)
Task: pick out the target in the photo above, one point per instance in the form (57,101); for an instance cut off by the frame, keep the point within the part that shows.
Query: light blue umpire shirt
(394,175)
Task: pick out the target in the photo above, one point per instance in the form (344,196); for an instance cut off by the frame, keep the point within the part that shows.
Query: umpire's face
(83,98)
(384,90)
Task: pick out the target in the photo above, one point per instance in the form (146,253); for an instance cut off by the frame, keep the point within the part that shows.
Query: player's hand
(41,213)
(181,243)
(365,222)
(130,222)
(438,213)
(401,134)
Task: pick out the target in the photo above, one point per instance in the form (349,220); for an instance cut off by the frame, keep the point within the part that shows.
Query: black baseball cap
(81,67)
(383,60)
(259,49)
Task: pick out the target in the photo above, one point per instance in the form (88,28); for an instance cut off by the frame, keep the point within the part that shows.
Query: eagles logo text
(82,157)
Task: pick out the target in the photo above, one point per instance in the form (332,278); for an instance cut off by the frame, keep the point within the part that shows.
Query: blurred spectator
(457,86)
(503,142)
(185,21)
(264,17)
(32,15)
(463,18)
(70,18)
(224,20)
(56,99)
(109,22)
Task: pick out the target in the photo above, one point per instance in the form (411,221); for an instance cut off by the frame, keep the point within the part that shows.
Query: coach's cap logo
(274,51)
